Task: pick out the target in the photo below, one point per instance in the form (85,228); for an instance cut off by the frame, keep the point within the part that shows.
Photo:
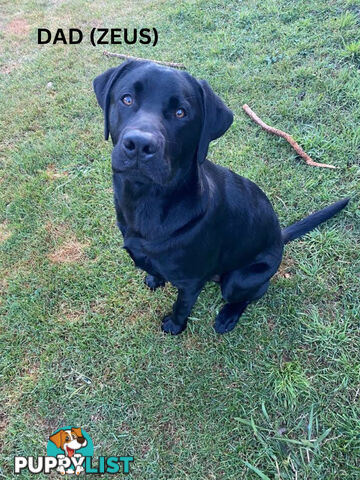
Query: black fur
(307,224)
(184,219)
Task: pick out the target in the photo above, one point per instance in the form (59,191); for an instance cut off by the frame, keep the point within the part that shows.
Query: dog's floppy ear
(56,438)
(77,432)
(102,87)
(217,118)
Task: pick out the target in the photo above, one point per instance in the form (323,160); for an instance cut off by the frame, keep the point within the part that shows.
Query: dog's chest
(140,214)
(145,255)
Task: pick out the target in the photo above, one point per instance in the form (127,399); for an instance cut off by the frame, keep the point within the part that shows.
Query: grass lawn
(81,343)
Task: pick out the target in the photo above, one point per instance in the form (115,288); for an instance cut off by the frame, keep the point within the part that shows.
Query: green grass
(277,398)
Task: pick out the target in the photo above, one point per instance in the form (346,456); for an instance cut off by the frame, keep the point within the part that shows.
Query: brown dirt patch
(5,232)
(286,269)
(53,174)
(67,315)
(69,252)
(18,27)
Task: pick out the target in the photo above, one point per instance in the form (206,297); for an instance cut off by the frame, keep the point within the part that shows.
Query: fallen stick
(129,57)
(287,137)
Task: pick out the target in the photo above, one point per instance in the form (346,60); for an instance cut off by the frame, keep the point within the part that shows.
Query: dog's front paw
(154,282)
(169,326)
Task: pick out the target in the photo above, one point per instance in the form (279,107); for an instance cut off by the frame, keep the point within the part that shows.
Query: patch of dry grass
(5,232)
(70,251)
(52,173)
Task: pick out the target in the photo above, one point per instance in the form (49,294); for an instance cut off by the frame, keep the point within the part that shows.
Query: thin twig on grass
(287,137)
(130,57)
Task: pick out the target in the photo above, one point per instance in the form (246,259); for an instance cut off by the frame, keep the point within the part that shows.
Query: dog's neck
(144,205)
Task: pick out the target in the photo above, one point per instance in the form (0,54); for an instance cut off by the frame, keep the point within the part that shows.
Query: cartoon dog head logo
(70,445)
(69,440)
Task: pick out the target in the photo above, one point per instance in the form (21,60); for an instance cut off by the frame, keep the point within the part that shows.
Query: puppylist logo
(70,450)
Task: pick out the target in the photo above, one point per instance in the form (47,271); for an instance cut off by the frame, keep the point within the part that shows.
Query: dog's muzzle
(139,144)
(137,149)
(141,152)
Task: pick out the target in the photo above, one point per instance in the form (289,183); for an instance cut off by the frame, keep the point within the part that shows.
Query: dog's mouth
(122,170)
(134,173)
(69,451)
(144,173)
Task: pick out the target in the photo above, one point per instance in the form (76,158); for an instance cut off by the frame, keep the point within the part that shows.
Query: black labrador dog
(184,219)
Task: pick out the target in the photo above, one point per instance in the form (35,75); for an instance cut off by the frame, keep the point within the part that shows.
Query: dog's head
(69,440)
(160,120)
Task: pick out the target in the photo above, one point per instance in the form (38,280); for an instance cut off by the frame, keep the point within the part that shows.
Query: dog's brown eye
(67,439)
(127,100)
(180,113)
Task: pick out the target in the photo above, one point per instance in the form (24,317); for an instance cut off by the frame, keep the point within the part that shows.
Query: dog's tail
(307,224)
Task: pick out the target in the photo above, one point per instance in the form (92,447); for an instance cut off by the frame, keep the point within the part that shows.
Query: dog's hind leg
(229,316)
(239,288)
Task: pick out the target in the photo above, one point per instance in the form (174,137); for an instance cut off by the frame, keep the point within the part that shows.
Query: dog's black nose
(137,143)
